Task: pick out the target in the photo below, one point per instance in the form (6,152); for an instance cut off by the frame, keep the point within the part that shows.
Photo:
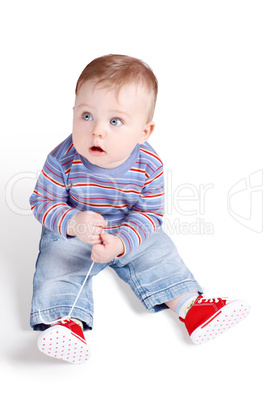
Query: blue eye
(87,116)
(116,122)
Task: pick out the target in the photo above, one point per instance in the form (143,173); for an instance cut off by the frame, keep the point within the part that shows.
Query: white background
(210,58)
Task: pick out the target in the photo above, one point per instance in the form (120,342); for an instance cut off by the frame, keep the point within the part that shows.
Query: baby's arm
(49,203)
(146,215)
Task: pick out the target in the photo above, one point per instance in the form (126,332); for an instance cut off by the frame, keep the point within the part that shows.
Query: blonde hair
(116,70)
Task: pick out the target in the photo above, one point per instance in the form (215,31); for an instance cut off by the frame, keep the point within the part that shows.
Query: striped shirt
(130,197)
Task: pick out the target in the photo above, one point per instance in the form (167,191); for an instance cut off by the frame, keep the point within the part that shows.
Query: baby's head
(116,71)
(114,107)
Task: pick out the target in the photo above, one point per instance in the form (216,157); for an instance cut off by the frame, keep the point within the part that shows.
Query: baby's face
(107,126)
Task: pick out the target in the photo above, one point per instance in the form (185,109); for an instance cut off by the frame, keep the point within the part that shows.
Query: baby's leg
(181,305)
(156,272)
(60,270)
(159,277)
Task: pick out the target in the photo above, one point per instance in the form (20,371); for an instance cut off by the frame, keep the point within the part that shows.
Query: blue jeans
(154,271)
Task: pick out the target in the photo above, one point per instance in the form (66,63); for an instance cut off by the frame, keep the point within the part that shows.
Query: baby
(100,200)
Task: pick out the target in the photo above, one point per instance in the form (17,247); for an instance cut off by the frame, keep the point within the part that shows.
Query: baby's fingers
(95,240)
(97,229)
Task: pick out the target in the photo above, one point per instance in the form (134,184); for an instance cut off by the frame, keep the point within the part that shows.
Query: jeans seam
(136,282)
(170,287)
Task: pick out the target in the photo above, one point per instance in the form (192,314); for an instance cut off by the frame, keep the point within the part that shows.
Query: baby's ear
(148,129)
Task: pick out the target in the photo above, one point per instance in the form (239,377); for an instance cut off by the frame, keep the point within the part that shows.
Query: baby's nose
(98,130)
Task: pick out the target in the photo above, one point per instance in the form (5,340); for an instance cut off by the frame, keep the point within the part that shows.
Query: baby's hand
(110,248)
(87,226)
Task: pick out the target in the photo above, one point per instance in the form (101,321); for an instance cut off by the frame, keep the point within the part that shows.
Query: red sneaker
(64,340)
(208,318)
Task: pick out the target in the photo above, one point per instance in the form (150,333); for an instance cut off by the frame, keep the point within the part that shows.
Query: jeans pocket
(47,237)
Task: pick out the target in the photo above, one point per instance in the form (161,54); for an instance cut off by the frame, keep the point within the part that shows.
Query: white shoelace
(210,300)
(68,317)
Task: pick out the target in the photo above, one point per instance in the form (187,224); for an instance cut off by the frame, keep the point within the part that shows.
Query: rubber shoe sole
(226,318)
(61,343)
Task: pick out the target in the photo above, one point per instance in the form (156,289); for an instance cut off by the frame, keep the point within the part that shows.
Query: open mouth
(96,150)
